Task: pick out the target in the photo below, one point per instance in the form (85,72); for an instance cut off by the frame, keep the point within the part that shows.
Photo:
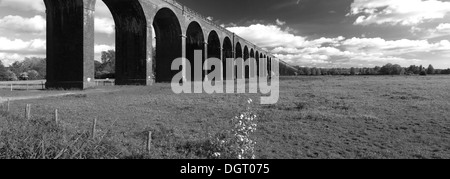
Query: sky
(313,33)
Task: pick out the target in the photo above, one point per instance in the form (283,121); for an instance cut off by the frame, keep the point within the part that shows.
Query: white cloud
(9,58)
(280,23)
(18,24)
(17,45)
(268,36)
(396,47)
(444,27)
(104,25)
(100,48)
(101,10)
(398,12)
(326,52)
(17,50)
(24,5)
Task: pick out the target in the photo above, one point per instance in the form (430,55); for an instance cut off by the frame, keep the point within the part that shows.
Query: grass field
(316,117)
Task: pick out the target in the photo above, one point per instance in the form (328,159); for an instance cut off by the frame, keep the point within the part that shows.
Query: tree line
(32,68)
(388,69)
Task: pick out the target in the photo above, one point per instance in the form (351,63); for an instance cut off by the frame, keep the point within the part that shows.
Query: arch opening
(238,54)
(168,46)
(257,63)
(105,52)
(246,57)
(251,71)
(269,66)
(264,72)
(131,42)
(214,48)
(227,52)
(195,41)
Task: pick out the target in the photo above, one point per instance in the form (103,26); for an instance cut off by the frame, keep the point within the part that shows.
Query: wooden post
(94,125)
(56,116)
(43,147)
(28,112)
(149,141)
(7,106)
(11,87)
(27,86)
(42,84)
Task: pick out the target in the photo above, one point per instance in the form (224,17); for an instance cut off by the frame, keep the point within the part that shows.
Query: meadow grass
(316,117)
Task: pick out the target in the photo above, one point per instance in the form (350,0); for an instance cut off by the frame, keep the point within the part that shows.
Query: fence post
(149,141)
(27,111)
(56,116)
(7,106)
(94,126)
(11,87)
(42,84)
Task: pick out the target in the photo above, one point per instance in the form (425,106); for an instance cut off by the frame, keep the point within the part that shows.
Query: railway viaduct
(150,34)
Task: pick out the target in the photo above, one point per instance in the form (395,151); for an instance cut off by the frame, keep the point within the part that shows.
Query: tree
(314,71)
(11,76)
(3,74)
(108,66)
(430,70)
(17,68)
(307,71)
(371,71)
(23,76)
(352,71)
(386,69)
(33,75)
(397,70)
(36,64)
(108,56)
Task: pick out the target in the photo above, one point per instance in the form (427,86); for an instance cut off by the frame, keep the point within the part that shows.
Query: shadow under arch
(131,42)
(227,51)
(257,63)
(195,40)
(238,54)
(246,57)
(214,47)
(168,44)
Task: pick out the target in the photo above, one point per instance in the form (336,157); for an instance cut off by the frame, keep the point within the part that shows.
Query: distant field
(316,117)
